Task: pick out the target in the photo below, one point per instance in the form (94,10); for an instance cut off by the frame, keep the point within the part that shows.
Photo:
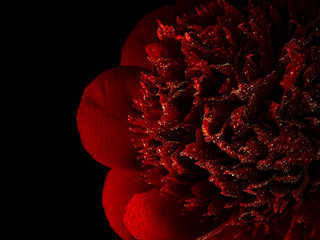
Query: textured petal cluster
(227,126)
(230,115)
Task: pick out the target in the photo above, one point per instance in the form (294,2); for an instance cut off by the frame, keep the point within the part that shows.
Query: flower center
(229,119)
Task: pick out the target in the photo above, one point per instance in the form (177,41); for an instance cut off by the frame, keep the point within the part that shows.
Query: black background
(71,45)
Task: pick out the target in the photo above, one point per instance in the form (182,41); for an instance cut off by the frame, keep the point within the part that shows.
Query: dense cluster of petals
(223,135)
(230,116)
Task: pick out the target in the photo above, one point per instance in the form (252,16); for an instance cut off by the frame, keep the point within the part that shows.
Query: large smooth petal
(152,216)
(119,187)
(144,33)
(102,117)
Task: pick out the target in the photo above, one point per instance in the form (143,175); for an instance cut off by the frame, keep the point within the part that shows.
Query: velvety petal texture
(144,33)
(119,187)
(222,139)
(102,117)
(153,216)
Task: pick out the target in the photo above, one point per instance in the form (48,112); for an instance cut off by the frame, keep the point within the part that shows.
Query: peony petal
(240,233)
(102,117)
(145,32)
(228,234)
(119,187)
(152,216)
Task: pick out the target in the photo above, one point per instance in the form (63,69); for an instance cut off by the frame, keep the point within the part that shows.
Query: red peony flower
(223,137)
